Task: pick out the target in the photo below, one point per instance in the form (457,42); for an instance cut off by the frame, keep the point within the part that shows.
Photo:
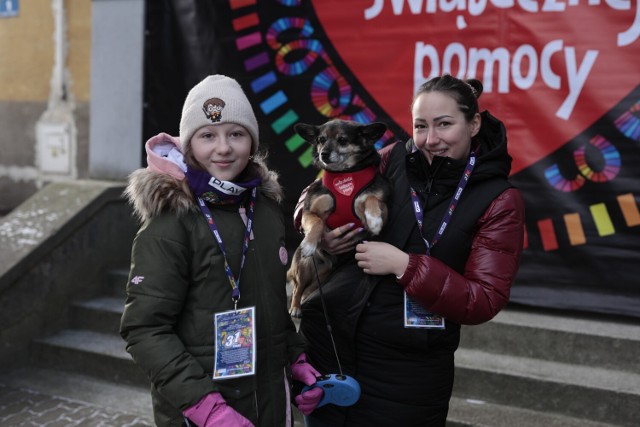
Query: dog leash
(326,315)
(338,389)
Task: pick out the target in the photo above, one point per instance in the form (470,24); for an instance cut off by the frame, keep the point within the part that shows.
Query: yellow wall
(27,50)
(79,57)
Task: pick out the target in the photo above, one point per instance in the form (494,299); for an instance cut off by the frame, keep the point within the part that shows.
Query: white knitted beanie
(217,99)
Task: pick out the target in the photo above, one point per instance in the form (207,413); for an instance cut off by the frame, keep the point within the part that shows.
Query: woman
(447,257)
(206,313)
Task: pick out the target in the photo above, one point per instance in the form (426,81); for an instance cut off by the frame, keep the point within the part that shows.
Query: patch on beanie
(213,109)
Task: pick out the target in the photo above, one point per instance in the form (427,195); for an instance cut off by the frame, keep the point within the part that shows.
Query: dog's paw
(374,224)
(295,312)
(307,249)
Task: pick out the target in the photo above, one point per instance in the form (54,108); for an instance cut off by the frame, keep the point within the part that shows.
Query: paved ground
(39,398)
(46,398)
(20,407)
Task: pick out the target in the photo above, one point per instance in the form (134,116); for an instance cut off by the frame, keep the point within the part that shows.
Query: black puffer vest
(353,299)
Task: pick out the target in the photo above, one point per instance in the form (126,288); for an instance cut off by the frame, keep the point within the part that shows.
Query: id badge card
(235,344)
(415,316)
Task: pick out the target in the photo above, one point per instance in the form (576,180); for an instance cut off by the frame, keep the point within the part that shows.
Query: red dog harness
(345,186)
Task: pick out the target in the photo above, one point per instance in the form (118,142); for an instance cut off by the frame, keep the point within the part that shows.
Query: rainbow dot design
(629,122)
(330,93)
(599,215)
(602,219)
(612,164)
(313,48)
(611,158)
(574,229)
(557,181)
(268,55)
(289,2)
(547,234)
(320,88)
(629,208)
(600,212)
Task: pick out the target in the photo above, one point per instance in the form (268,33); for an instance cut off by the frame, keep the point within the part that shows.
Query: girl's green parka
(178,282)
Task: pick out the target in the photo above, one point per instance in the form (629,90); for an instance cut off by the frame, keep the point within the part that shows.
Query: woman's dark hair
(465,92)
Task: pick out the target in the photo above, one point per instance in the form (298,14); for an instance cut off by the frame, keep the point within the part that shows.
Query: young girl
(206,311)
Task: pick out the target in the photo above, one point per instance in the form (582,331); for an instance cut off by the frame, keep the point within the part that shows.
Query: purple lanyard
(235,284)
(452,206)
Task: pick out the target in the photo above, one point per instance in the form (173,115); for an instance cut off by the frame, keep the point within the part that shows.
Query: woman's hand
(381,258)
(341,239)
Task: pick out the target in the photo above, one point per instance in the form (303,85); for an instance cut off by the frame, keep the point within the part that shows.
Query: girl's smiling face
(223,150)
(440,128)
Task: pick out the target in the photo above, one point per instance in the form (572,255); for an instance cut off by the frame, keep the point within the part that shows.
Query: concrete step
(568,338)
(89,353)
(95,355)
(595,394)
(116,282)
(478,413)
(523,368)
(99,314)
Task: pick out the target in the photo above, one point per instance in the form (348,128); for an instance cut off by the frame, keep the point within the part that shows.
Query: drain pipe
(56,143)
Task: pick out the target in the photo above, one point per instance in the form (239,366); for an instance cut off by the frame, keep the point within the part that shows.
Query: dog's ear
(373,131)
(307,132)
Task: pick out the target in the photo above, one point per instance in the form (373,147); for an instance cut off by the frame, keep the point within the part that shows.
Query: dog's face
(339,145)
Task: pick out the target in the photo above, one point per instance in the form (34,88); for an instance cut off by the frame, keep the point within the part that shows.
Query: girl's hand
(381,258)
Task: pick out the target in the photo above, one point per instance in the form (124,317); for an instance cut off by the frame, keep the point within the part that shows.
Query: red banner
(563,76)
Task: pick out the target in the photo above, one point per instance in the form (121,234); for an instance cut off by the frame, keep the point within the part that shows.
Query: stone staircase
(535,368)
(91,345)
(524,368)
(92,349)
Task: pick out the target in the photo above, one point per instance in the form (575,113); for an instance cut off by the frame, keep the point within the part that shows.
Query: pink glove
(308,401)
(212,411)
(307,374)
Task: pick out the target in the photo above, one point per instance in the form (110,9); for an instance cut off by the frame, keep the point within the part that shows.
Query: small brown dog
(351,190)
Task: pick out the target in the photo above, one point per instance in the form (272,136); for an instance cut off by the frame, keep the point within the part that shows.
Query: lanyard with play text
(235,284)
(452,205)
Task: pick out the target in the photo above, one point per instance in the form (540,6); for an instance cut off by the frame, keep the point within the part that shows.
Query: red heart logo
(556,66)
(344,185)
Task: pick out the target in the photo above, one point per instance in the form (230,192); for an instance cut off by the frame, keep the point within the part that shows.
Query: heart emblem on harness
(549,69)
(344,185)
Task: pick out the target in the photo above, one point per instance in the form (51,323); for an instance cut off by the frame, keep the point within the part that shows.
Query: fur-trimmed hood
(162,185)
